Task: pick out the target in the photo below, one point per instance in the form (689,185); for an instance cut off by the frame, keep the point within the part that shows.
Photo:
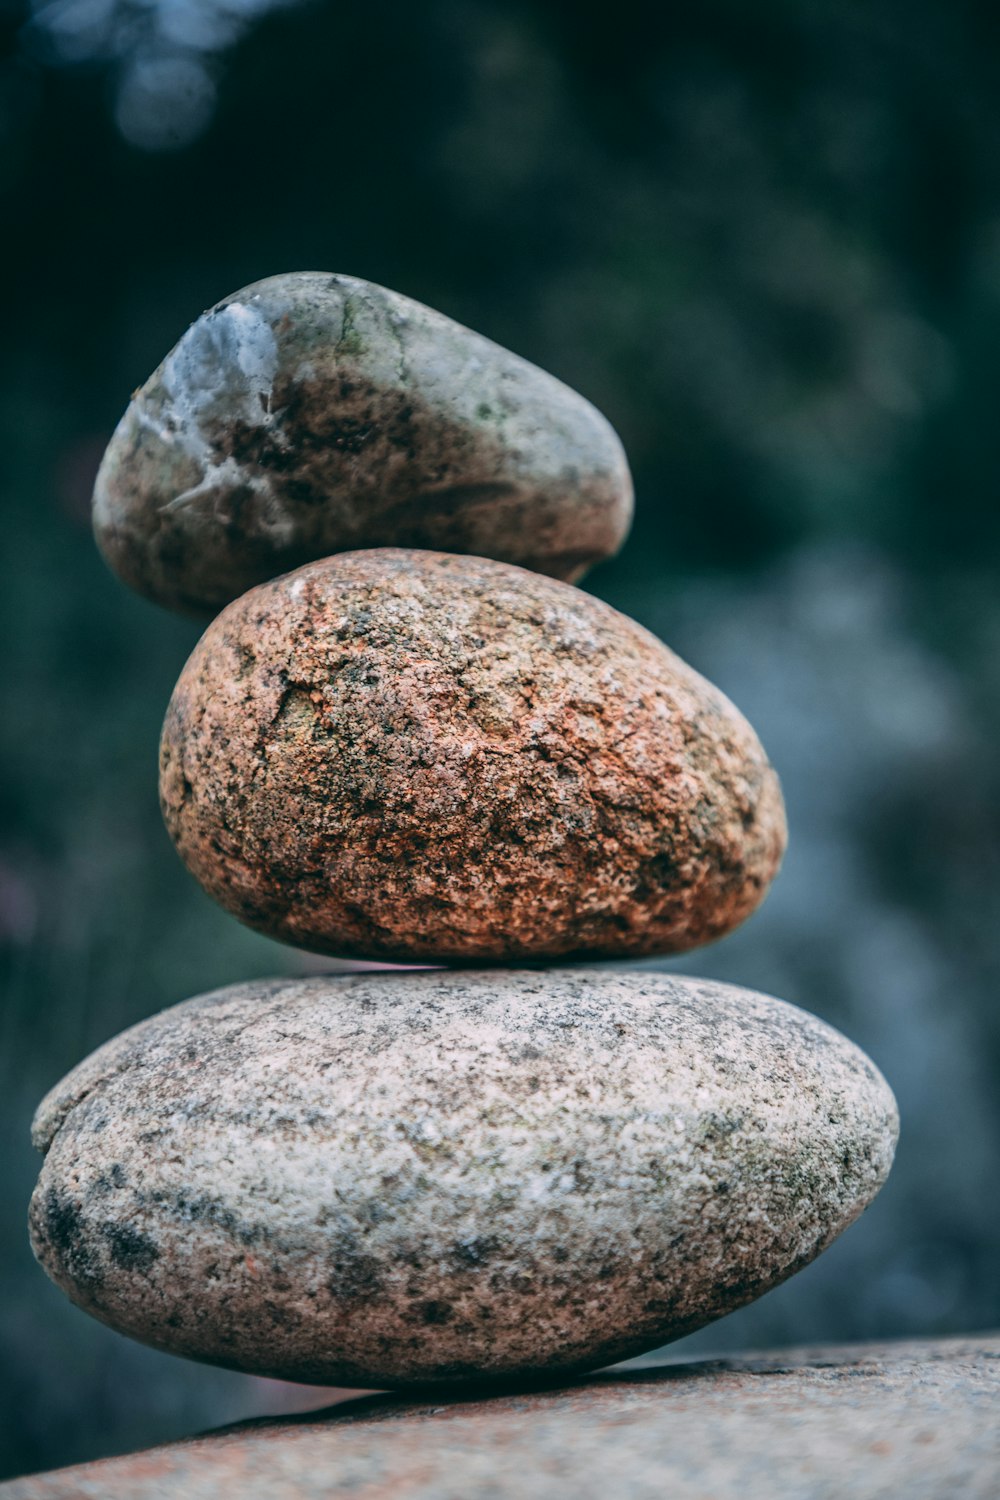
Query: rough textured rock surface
(312,413)
(395,1178)
(872,1422)
(413,756)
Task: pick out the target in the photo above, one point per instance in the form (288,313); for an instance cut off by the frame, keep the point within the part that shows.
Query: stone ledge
(863,1421)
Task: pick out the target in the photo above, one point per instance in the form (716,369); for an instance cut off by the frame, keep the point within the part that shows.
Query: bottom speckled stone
(869,1422)
(392,1178)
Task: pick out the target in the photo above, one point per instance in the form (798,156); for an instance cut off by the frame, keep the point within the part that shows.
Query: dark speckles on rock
(129,1248)
(355,1279)
(556,781)
(114,1177)
(475,1251)
(57,1225)
(546,1171)
(435,1312)
(311,414)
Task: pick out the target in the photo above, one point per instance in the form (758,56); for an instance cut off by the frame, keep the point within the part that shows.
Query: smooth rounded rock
(394,1178)
(413,756)
(311,413)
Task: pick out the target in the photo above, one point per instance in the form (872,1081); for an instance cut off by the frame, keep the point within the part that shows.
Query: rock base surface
(875,1420)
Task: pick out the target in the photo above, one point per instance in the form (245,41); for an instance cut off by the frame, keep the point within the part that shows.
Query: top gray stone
(311,413)
(872,1421)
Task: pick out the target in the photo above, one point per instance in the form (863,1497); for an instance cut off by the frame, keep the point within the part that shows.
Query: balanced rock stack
(414,754)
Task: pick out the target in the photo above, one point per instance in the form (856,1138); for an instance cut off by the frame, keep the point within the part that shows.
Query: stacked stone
(434,750)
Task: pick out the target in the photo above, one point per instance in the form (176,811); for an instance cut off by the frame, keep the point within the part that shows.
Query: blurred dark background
(766,241)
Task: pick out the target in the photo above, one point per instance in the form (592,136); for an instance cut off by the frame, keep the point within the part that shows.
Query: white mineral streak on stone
(206,366)
(225,362)
(387,1178)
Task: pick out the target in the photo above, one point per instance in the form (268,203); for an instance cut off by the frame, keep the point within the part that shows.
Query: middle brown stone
(416,756)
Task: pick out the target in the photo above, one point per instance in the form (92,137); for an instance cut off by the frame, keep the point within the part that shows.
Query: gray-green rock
(392,1178)
(310,414)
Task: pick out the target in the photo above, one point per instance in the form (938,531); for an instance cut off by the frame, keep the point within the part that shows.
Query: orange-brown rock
(417,756)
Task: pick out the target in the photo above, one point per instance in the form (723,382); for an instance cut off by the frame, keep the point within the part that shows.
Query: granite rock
(413,756)
(311,413)
(397,1178)
(872,1422)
